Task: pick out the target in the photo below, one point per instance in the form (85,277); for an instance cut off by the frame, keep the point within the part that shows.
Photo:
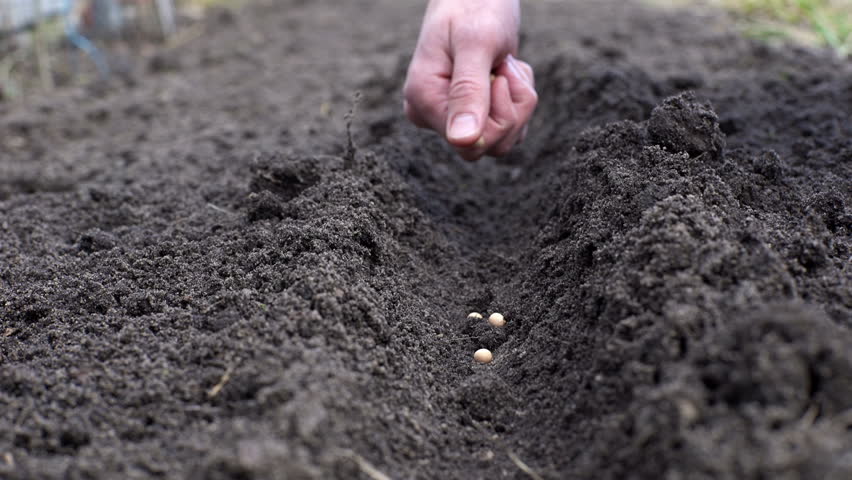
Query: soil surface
(198,280)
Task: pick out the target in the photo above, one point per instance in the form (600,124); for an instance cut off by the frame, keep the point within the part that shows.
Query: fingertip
(500,89)
(522,69)
(475,151)
(464,129)
(502,108)
(529,72)
(522,92)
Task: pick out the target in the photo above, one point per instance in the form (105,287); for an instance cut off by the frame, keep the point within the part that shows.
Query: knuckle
(412,91)
(433,116)
(420,107)
(505,126)
(531,102)
(418,103)
(412,116)
(464,88)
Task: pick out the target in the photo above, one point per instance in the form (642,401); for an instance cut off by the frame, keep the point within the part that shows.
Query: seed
(483,355)
(497,320)
(475,315)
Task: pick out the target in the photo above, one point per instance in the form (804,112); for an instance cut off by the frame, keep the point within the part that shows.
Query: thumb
(469,97)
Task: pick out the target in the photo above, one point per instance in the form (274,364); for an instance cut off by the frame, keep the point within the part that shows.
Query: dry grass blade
(364,465)
(226,377)
(524,467)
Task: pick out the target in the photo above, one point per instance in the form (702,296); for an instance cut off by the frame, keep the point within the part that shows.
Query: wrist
(477,7)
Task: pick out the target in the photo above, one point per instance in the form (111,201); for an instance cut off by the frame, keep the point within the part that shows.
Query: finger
(529,76)
(500,131)
(521,87)
(509,124)
(413,116)
(524,96)
(527,70)
(425,100)
(504,115)
(469,95)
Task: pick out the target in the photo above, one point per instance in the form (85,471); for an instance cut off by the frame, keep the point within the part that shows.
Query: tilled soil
(200,280)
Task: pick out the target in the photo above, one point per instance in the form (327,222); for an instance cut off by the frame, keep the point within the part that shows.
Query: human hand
(462,46)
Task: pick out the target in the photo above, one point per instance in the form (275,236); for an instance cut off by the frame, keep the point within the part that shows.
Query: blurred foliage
(823,22)
(36,59)
(211,3)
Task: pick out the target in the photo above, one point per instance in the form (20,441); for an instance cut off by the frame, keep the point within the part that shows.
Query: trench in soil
(208,288)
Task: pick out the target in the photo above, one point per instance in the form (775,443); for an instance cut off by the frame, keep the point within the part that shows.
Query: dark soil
(198,282)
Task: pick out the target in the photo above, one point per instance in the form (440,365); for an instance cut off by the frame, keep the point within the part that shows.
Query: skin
(449,87)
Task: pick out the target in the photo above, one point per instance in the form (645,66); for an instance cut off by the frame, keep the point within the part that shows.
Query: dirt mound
(656,250)
(219,290)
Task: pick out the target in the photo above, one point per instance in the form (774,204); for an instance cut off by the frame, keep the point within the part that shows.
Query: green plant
(826,22)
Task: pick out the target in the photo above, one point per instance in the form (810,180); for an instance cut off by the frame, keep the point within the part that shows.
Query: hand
(462,46)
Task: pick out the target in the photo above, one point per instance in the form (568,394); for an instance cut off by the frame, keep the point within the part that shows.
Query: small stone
(474,315)
(688,411)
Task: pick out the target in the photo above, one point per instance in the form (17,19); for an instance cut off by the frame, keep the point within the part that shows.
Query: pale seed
(483,355)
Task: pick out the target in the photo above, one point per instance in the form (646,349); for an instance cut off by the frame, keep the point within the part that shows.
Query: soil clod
(683,124)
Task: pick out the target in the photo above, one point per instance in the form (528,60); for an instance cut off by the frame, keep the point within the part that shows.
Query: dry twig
(524,467)
(222,382)
(364,465)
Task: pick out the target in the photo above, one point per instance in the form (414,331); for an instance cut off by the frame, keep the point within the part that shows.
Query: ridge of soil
(198,281)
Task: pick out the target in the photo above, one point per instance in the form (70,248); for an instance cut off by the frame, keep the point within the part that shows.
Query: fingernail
(463,126)
(514,68)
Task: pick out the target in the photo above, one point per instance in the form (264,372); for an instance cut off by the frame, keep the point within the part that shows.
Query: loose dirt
(196,280)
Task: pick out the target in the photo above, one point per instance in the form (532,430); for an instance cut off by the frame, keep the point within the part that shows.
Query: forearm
(473,10)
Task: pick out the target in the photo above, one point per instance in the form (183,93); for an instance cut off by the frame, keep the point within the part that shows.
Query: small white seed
(477,316)
(483,355)
(497,320)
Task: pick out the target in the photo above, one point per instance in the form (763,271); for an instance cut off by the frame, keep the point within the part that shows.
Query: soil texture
(200,279)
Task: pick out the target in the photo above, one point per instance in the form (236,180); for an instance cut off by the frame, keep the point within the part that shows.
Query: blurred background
(821,23)
(45,44)
(49,43)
